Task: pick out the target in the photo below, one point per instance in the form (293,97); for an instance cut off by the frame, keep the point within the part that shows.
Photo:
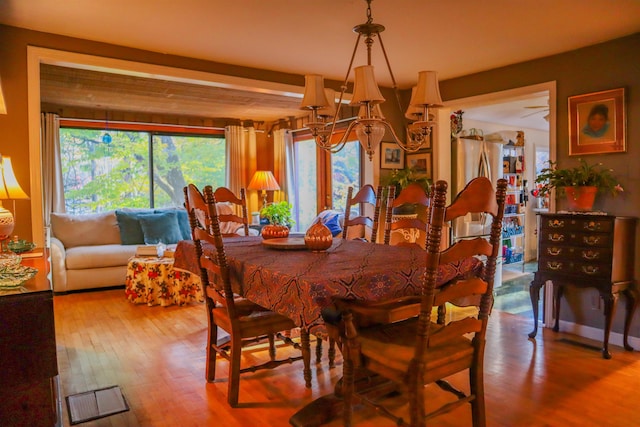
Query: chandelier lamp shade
(263,181)
(370,126)
(9,190)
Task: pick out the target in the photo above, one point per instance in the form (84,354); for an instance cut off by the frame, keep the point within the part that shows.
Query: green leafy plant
(403,177)
(278,213)
(583,175)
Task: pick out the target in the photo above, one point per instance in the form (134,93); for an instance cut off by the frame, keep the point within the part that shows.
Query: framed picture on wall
(391,156)
(421,163)
(597,123)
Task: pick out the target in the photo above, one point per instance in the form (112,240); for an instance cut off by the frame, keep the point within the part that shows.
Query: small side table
(153,281)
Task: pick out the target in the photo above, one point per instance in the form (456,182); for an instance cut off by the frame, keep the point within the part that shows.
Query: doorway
(530,109)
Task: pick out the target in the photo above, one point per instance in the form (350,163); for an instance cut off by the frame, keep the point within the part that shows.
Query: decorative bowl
(9,261)
(19,246)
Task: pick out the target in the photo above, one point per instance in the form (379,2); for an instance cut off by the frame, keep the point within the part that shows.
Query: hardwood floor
(156,355)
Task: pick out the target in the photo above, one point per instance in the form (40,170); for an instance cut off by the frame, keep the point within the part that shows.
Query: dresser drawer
(579,268)
(565,223)
(558,237)
(595,254)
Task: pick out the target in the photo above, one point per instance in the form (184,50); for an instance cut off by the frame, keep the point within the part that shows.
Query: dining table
(299,283)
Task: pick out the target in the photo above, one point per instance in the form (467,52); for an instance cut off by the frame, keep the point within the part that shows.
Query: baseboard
(615,338)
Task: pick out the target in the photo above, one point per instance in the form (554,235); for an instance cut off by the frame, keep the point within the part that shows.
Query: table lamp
(263,181)
(9,189)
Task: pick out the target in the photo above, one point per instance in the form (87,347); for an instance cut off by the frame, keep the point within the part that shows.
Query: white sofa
(87,251)
(92,251)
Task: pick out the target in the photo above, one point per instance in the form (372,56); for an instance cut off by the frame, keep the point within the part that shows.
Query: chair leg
(234,371)
(332,353)
(347,390)
(212,354)
(318,350)
(306,357)
(476,383)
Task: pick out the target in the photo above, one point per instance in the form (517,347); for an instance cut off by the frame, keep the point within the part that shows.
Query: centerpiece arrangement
(279,216)
(579,184)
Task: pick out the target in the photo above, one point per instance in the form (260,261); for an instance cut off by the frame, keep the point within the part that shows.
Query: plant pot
(580,198)
(274,231)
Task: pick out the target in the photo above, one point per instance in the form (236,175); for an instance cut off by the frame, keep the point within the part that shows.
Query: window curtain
(53,188)
(238,140)
(284,167)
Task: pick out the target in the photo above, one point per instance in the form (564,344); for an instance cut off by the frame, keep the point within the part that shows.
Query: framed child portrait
(597,123)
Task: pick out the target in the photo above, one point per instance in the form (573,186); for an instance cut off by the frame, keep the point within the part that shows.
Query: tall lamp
(9,190)
(263,181)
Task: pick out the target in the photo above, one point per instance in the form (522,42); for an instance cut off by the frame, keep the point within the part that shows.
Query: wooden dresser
(28,378)
(587,251)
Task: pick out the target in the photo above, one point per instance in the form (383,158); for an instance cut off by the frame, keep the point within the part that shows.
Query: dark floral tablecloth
(299,283)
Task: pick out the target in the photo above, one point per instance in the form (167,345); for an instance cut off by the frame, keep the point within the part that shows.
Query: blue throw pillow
(183,221)
(130,229)
(160,227)
(331,219)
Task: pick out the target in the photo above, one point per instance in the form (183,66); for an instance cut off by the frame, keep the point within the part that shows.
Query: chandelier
(370,125)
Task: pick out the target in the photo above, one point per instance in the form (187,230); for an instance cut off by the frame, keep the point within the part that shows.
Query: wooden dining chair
(245,322)
(230,221)
(414,226)
(365,196)
(417,351)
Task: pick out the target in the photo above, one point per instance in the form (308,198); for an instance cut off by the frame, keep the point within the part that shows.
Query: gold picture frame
(421,164)
(597,123)
(391,156)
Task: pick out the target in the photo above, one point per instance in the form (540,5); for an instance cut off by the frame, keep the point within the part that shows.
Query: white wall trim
(596,334)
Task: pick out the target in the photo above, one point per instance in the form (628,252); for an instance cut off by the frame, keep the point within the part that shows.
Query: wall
(609,65)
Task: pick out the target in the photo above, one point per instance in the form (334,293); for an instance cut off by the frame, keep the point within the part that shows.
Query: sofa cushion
(89,257)
(85,230)
(183,221)
(129,225)
(332,219)
(161,227)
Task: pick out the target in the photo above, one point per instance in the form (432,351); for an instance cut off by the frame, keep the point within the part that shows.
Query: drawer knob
(592,226)
(555,237)
(590,255)
(556,223)
(591,240)
(554,251)
(590,269)
(554,265)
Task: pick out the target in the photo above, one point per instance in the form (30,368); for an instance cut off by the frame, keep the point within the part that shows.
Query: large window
(135,168)
(318,191)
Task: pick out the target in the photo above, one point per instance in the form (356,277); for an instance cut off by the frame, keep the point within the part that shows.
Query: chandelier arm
(412,147)
(396,92)
(343,88)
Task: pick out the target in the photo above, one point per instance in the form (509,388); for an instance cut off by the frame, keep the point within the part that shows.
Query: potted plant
(278,214)
(401,178)
(580,184)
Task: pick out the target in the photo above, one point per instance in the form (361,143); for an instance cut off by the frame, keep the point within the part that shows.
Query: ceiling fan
(538,109)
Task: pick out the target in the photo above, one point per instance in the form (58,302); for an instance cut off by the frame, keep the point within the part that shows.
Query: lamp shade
(10,189)
(263,180)
(314,94)
(427,91)
(365,88)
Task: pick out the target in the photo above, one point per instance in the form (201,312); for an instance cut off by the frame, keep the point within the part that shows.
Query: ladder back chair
(224,195)
(414,226)
(366,195)
(245,322)
(417,351)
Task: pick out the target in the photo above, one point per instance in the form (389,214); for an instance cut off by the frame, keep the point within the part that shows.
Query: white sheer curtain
(284,167)
(53,188)
(238,140)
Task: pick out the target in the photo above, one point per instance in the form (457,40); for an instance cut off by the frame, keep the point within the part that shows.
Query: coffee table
(154,281)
